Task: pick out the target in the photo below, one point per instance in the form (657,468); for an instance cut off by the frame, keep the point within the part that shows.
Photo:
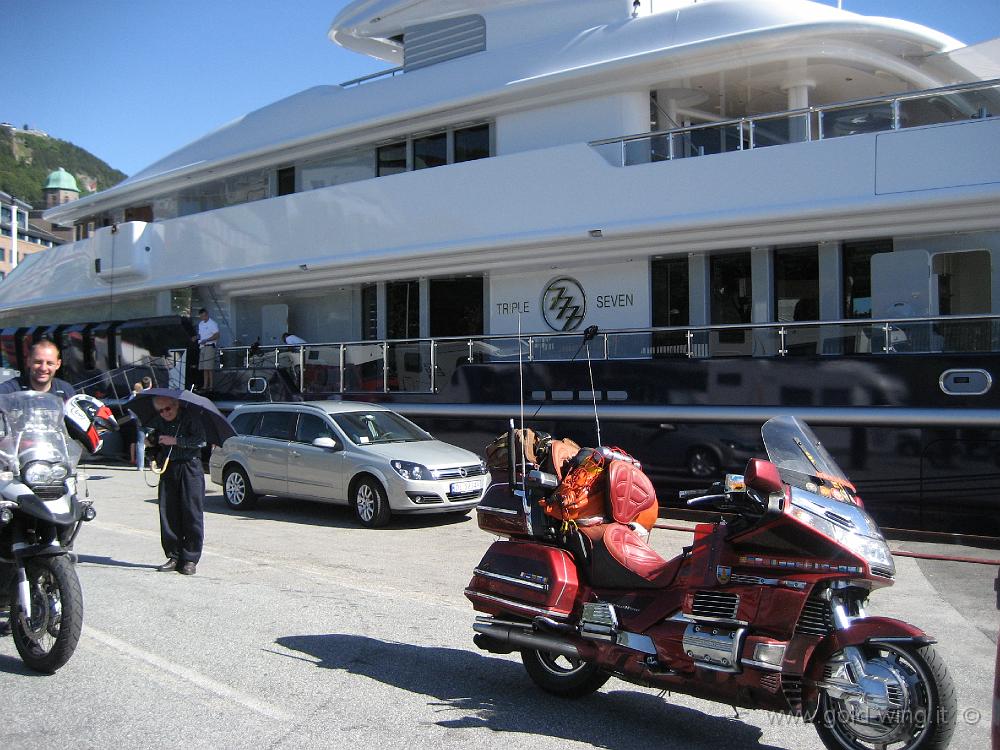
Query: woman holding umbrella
(181,424)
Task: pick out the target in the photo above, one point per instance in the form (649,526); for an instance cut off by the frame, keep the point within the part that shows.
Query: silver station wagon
(344,452)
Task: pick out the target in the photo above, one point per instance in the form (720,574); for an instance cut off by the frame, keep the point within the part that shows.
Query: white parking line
(190,675)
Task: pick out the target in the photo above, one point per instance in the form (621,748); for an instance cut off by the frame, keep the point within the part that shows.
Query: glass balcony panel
(638,151)
(321,369)
(942,108)
(716,139)
(805,340)
(410,366)
(778,131)
(363,365)
(853,120)
(668,344)
(626,345)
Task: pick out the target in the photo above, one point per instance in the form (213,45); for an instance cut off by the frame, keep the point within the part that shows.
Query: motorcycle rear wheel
(561,675)
(921,708)
(49,639)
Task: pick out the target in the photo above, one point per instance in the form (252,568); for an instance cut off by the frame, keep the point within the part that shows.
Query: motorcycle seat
(620,558)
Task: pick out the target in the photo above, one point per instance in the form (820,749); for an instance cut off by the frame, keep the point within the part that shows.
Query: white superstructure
(489,176)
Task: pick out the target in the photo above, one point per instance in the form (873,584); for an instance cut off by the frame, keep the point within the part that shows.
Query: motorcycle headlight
(872,549)
(43,472)
(410,470)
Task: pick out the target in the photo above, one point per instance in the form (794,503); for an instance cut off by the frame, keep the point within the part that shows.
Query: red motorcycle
(764,610)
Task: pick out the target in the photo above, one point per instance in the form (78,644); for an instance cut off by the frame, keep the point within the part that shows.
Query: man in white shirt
(208,340)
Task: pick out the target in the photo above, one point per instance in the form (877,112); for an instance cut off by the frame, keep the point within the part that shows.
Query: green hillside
(26,161)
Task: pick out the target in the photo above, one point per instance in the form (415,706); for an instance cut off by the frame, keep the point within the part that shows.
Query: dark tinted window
(430,151)
(391,159)
(277,424)
(796,284)
(857,262)
(472,143)
(730,288)
(311,427)
(245,424)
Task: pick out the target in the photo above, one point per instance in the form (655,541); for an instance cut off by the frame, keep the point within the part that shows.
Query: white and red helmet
(86,418)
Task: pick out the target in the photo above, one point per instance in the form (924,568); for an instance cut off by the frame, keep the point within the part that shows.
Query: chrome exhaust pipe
(522,638)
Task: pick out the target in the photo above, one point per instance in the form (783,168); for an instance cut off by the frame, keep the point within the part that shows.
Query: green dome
(61,180)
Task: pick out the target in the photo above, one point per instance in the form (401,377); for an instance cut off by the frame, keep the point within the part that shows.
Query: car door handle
(296,454)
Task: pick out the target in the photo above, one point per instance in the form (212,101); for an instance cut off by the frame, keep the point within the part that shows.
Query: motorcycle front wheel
(49,637)
(561,675)
(903,698)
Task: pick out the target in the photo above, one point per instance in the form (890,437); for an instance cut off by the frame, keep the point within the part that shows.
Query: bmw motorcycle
(766,609)
(42,506)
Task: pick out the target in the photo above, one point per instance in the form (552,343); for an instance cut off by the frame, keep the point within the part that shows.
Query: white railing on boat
(378,75)
(422,365)
(937,106)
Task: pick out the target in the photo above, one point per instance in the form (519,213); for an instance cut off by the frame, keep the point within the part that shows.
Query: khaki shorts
(208,358)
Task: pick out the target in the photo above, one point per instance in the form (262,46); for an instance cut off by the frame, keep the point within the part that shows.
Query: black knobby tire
(371,506)
(237,490)
(50,638)
(562,676)
(932,706)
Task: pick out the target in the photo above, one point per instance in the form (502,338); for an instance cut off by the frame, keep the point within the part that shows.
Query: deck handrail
(746,123)
(849,336)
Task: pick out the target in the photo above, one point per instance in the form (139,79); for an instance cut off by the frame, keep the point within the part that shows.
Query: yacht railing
(422,365)
(937,106)
(378,75)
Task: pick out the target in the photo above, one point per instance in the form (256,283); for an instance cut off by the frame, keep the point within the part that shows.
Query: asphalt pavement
(302,630)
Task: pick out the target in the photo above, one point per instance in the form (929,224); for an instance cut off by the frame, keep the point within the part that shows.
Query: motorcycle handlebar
(707,500)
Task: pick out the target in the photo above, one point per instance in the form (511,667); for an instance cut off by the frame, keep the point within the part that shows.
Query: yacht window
(857,267)
(963,280)
(472,143)
(730,280)
(402,303)
(391,159)
(669,278)
(337,170)
(456,307)
(796,283)
(430,151)
(286,181)
(369,312)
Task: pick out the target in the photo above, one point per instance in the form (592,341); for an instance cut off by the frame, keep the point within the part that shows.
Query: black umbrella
(217,429)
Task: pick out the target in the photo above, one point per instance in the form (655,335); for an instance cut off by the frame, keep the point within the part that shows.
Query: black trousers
(182,525)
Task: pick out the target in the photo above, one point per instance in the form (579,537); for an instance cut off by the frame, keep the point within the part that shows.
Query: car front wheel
(370,503)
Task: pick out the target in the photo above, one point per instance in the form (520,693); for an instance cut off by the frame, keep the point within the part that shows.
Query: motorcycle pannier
(526,578)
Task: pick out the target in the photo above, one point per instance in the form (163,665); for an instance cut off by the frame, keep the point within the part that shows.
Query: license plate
(469,485)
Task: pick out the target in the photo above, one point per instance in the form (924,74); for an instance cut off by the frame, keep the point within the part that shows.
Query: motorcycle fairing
(62,511)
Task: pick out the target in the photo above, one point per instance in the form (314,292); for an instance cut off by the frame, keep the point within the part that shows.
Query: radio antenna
(520,390)
(588,334)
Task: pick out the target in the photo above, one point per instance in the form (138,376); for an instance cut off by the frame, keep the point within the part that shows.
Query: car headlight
(42,472)
(410,470)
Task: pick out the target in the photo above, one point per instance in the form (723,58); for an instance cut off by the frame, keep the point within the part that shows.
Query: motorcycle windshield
(31,429)
(802,460)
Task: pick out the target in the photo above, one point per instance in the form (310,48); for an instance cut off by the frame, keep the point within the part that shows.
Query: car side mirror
(325,442)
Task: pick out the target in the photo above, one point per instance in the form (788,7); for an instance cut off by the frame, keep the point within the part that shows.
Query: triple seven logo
(564,304)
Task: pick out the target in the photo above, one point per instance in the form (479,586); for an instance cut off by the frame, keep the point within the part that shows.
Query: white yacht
(764,206)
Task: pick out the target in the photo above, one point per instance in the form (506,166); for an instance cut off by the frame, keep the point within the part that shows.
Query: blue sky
(133,80)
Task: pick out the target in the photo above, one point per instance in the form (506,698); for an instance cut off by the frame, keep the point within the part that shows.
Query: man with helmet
(44,362)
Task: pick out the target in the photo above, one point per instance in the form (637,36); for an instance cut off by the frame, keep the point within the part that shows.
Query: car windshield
(368,427)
